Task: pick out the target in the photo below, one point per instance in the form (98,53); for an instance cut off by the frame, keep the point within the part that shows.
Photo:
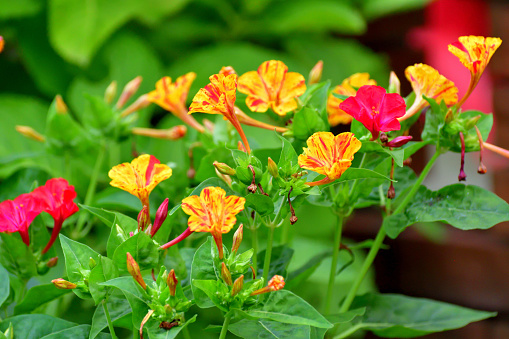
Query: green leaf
(284,306)
(399,316)
(288,160)
(306,122)
(77,262)
(16,257)
(104,270)
(37,296)
(306,270)
(5,288)
(213,289)
(155,332)
(373,9)
(202,268)
(465,207)
(370,146)
(80,331)
(268,329)
(120,230)
(260,203)
(279,260)
(18,9)
(117,307)
(35,326)
(360,132)
(142,248)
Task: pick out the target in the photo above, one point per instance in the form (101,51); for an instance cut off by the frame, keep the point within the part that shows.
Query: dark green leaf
(370,146)
(306,122)
(142,248)
(280,259)
(5,288)
(373,9)
(268,329)
(80,331)
(203,269)
(104,270)
(213,289)
(35,326)
(305,271)
(260,203)
(155,332)
(37,296)
(288,160)
(16,257)
(117,307)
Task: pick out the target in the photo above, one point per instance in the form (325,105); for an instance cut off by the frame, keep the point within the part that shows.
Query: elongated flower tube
(275,284)
(173,133)
(474,52)
(56,198)
(272,86)
(17,215)
(426,81)
(172,97)
(140,176)
(377,110)
(219,97)
(247,120)
(134,270)
(348,87)
(329,155)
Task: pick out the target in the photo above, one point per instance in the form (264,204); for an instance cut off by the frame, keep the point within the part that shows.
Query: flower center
(374,111)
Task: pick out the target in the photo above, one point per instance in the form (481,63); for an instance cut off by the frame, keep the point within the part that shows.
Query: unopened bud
(134,270)
(226,178)
(272,166)
(110,93)
(237,285)
(130,88)
(173,133)
(316,73)
(227,70)
(225,273)
(391,192)
(241,147)
(52,262)
(399,141)
(91,263)
(224,168)
(237,238)
(60,105)
(140,103)
(275,284)
(449,116)
(172,282)
(462,175)
(482,169)
(293,219)
(143,218)
(63,284)
(383,137)
(30,133)
(394,83)
(470,123)
(162,213)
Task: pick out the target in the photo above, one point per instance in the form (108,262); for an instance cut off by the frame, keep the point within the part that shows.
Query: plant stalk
(224,329)
(108,318)
(334,264)
(268,254)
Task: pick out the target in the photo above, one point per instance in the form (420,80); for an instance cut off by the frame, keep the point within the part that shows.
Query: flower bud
(275,284)
(237,238)
(272,166)
(172,282)
(225,273)
(130,88)
(226,178)
(470,123)
(224,168)
(316,73)
(383,137)
(134,271)
(143,218)
(140,103)
(237,285)
(391,192)
(227,70)
(162,213)
(60,105)
(399,141)
(52,262)
(111,92)
(449,116)
(63,284)
(91,263)
(30,133)
(394,83)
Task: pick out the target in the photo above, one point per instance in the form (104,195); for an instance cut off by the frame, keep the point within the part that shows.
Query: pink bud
(162,213)
(399,141)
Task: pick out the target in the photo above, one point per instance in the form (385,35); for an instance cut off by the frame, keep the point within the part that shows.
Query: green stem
(352,189)
(224,330)
(108,318)
(254,243)
(91,189)
(334,264)
(381,236)
(285,233)
(268,254)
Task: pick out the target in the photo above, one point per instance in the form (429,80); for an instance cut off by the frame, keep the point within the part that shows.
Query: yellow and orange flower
(2,43)
(272,86)
(213,212)
(219,97)
(426,81)
(348,87)
(474,52)
(140,176)
(172,97)
(329,155)
(276,283)
(227,70)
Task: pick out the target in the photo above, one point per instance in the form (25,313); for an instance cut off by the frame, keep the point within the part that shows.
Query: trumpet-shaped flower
(276,283)
(272,86)
(172,97)
(56,198)
(348,87)
(140,176)
(474,52)
(329,155)
(377,110)
(213,212)
(426,81)
(17,215)
(219,97)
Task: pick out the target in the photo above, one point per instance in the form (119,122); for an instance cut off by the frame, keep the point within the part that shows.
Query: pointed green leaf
(268,329)
(35,326)
(37,296)
(142,248)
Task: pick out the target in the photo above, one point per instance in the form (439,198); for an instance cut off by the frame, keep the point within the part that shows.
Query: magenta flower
(17,215)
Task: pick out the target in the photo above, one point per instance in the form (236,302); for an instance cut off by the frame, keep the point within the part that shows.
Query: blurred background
(76,47)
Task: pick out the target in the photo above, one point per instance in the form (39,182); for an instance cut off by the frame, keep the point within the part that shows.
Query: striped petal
(475,52)
(427,81)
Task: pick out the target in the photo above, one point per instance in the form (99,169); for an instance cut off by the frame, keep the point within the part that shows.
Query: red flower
(56,198)
(377,110)
(17,215)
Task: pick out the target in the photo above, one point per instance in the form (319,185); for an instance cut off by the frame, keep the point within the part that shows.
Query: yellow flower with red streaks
(140,176)
(213,212)
(474,52)
(426,81)
(2,43)
(219,97)
(329,155)
(348,87)
(272,86)
(172,97)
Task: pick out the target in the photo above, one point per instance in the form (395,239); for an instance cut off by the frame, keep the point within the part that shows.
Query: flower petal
(475,52)
(427,81)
